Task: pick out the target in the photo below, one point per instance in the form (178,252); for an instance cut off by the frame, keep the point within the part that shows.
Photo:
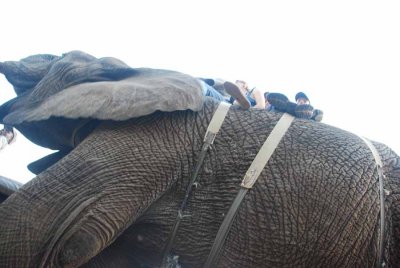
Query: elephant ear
(78,86)
(26,73)
(7,187)
(42,164)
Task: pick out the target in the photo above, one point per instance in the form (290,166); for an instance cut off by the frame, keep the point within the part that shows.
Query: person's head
(8,133)
(302,98)
(242,85)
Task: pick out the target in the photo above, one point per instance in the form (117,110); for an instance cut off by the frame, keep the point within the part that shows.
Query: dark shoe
(317,115)
(278,100)
(233,90)
(208,81)
(304,111)
(291,108)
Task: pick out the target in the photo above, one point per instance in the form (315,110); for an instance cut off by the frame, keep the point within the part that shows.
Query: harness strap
(379,168)
(212,131)
(250,178)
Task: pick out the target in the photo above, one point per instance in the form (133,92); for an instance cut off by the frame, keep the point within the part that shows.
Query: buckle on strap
(266,151)
(251,176)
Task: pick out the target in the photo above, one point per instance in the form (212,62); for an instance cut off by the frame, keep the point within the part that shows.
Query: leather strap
(379,168)
(250,178)
(266,151)
(217,119)
(212,131)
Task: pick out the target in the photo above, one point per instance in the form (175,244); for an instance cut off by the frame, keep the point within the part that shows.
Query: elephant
(111,196)
(8,187)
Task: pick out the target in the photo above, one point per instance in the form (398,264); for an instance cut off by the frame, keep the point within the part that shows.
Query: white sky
(344,54)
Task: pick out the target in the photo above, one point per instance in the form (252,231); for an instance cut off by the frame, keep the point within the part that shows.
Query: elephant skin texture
(113,200)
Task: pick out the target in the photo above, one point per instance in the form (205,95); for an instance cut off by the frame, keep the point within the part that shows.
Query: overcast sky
(345,55)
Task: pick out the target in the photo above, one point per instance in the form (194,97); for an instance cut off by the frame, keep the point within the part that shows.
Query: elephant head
(60,99)
(78,85)
(112,200)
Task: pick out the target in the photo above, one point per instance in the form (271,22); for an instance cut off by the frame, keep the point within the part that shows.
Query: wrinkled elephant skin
(112,201)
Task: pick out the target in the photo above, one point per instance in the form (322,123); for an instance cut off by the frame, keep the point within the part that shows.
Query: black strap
(248,181)
(180,215)
(224,230)
(212,130)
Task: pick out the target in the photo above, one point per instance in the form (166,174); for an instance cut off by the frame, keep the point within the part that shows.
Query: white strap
(374,152)
(379,167)
(266,151)
(216,122)
(250,178)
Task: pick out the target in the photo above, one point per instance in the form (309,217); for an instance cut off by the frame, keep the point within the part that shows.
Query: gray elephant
(8,187)
(111,196)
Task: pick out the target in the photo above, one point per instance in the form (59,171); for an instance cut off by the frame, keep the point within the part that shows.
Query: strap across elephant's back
(249,180)
(382,193)
(212,130)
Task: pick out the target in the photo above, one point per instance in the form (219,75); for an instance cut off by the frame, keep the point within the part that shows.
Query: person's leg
(317,115)
(278,100)
(304,111)
(209,91)
(282,104)
(231,89)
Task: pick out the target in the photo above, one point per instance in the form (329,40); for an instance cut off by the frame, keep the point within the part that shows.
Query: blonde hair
(245,85)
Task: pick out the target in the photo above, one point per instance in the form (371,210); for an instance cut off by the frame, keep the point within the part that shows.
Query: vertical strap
(216,122)
(266,151)
(379,167)
(250,178)
(212,130)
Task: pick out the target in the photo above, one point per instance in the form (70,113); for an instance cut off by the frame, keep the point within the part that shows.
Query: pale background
(345,55)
